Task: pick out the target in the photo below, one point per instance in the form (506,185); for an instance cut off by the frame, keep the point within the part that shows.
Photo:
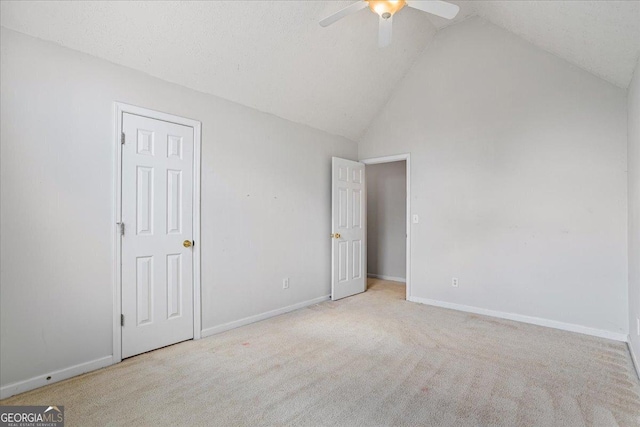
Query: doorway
(388,219)
(157,238)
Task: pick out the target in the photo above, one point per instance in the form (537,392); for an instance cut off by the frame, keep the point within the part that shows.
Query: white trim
(197,166)
(117,247)
(121,108)
(398,158)
(386,159)
(262,316)
(616,336)
(56,376)
(391,278)
(633,358)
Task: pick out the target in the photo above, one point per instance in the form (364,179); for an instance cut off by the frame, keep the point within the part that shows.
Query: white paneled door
(157,213)
(348,222)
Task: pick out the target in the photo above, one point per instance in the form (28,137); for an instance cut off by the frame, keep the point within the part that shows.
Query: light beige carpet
(369,360)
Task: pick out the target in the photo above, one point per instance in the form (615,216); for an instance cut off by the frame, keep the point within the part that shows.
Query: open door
(348,224)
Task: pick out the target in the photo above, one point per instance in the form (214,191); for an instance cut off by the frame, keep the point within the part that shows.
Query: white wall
(633,100)
(265,189)
(518,175)
(386,219)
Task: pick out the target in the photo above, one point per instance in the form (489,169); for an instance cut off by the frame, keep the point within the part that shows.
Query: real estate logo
(31,416)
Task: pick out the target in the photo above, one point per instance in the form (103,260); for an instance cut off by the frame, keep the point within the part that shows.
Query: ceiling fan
(387,8)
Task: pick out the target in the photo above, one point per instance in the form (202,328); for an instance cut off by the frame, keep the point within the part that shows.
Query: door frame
(398,158)
(119,109)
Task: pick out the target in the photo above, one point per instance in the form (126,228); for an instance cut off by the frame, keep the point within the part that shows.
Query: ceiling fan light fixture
(386,8)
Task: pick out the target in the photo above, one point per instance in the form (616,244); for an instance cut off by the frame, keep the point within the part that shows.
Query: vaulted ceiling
(273,55)
(603,37)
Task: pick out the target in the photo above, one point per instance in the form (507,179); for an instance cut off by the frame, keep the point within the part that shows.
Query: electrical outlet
(285,283)
(415,219)
(454,282)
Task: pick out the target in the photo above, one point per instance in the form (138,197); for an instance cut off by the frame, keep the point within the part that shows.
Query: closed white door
(157,213)
(348,221)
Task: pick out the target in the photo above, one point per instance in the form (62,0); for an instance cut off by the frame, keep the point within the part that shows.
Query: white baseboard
(383,277)
(634,359)
(66,373)
(82,368)
(617,336)
(56,376)
(262,316)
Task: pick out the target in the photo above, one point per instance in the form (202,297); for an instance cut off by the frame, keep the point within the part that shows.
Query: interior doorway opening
(388,220)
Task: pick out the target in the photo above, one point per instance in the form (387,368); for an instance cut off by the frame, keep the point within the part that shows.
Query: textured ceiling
(603,37)
(274,56)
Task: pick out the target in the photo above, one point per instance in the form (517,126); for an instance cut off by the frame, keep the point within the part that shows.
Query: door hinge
(120,227)
(122,320)
(122,138)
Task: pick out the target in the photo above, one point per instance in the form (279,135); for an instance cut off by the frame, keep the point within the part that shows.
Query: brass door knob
(335,236)
(186,243)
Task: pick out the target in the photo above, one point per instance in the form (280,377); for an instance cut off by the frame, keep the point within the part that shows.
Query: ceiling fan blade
(384,32)
(353,8)
(436,7)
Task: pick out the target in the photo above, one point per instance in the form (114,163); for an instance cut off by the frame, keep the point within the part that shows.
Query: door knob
(186,243)
(335,236)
